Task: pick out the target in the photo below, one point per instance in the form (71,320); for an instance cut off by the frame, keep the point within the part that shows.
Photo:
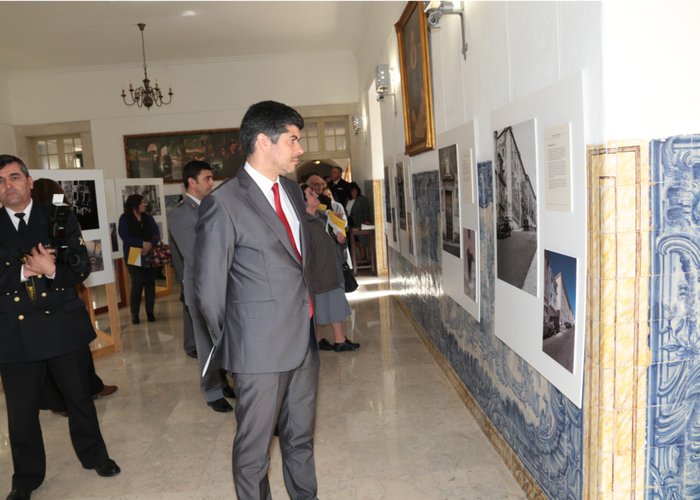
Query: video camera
(57,234)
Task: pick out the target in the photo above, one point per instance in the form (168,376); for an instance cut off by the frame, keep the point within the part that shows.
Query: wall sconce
(382,81)
(357,124)
(435,9)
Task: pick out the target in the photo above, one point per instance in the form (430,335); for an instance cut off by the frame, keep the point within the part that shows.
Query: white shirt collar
(26,212)
(193,198)
(263,182)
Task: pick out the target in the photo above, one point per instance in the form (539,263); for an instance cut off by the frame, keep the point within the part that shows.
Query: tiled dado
(380,252)
(617,355)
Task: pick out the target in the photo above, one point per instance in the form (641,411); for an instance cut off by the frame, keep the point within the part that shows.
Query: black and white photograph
(149,193)
(171,201)
(393,224)
(515,187)
(401,195)
(94,250)
(81,196)
(559,314)
(409,219)
(469,263)
(387,194)
(449,199)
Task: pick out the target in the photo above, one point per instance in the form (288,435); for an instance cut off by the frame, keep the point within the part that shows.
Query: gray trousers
(288,400)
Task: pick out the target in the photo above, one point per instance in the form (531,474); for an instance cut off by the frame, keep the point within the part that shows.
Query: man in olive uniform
(44,327)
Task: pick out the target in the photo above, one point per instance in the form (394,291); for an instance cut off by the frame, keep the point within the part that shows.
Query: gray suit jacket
(181,224)
(249,283)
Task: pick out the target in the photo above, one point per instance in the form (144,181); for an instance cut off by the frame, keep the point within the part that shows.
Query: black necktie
(22,226)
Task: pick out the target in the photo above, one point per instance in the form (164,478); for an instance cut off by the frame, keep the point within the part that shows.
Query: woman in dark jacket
(327,285)
(138,229)
(358,207)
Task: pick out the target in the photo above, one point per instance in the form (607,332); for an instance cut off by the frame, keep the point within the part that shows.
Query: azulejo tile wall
(542,426)
(673,418)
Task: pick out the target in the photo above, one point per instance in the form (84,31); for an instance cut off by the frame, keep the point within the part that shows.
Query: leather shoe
(135,321)
(191,354)
(324,345)
(107,468)
(106,391)
(345,346)
(19,494)
(228,392)
(220,405)
(151,318)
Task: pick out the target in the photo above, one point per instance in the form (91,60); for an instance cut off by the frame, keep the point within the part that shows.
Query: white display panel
(519,315)
(153,190)
(86,189)
(456,151)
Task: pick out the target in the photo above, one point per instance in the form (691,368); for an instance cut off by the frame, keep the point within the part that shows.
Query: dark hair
(7,159)
(267,117)
(192,171)
(354,185)
(44,189)
(132,203)
(336,167)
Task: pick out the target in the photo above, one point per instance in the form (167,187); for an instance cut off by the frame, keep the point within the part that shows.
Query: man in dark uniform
(339,186)
(44,327)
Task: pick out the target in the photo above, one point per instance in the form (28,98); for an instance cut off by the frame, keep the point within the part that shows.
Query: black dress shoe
(228,392)
(20,494)
(106,391)
(324,345)
(135,321)
(220,405)
(345,346)
(191,354)
(151,318)
(107,468)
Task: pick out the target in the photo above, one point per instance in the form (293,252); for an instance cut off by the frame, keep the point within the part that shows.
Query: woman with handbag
(326,277)
(138,229)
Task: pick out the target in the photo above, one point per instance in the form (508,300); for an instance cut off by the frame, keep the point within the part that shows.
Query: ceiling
(43,35)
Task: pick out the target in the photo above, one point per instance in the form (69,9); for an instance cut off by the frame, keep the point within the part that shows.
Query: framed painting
(164,155)
(414,58)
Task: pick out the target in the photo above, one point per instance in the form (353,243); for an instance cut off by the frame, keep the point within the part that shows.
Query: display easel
(105,343)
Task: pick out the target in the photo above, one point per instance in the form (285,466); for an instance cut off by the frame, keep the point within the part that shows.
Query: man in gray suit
(199,181)
(251,286)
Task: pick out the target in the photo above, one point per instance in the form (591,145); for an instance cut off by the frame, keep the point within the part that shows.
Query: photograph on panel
(113,236)
(559,314)
(515,184)
(409,218)
(94,251)
(401,195)
(387,195)
(449,200)
(81,196)
(469,263)
(393,224)
(426,205)
(150,195)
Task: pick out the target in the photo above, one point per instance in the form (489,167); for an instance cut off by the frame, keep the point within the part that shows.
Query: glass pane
(53,161)
(311,128)
(340,144)
(44,161)
(340,127)
(68,145)
(78,144)
(313,145)
(53,147)
(330,143)
(41,147)
(70,160)
(329,128)
(78,161)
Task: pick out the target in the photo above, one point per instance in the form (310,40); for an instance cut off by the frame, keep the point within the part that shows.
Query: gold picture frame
(416,89)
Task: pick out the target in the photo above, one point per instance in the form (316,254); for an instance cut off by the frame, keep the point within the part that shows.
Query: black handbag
(349,279)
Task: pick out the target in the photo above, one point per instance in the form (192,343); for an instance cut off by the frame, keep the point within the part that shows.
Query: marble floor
(389,425)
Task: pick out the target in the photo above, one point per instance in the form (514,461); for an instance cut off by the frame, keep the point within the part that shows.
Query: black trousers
(142,278)
(24,383)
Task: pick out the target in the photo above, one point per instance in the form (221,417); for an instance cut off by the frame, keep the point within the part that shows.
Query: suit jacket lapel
(301,214)
(256,197)
(11,237)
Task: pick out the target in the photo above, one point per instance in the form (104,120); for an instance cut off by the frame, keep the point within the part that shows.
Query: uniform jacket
(250,286)
(340,190)
(56,322)
(181,224)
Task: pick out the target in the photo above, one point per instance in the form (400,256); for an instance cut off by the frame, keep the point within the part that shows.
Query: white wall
(651,69)
(208,94)
(7,134)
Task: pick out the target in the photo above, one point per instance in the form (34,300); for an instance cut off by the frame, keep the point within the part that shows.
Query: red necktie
(283,218)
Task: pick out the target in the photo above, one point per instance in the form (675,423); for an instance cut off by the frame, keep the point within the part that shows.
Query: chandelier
(146,95)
